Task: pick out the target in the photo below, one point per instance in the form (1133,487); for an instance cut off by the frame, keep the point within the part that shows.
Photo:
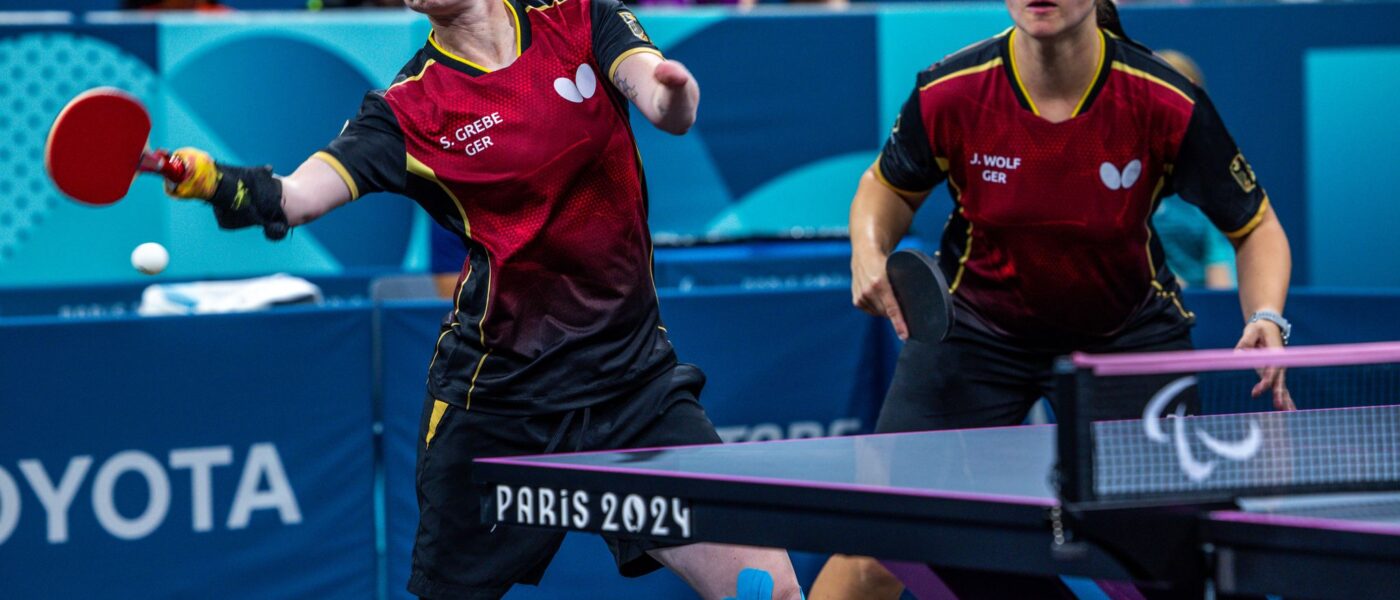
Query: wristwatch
(1284,326)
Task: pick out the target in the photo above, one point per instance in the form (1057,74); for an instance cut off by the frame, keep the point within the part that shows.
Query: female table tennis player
(510,128)
(1057,139)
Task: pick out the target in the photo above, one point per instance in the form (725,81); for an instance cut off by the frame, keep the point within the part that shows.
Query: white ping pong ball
(150,258)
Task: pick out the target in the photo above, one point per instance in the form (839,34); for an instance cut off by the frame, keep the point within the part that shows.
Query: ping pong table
(993,500)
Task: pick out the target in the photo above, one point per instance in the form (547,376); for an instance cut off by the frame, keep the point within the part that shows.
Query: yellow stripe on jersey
(515,16)
(991,64)
(1147,225)
(1124,68)
(880,176)
(1016,74)
(1098,71)
(617,62)
(340,169)
(432,39)
(430,62)
(1253,223)
(417,167)
(437,347)
(967,249)
(545,7)
(477,373)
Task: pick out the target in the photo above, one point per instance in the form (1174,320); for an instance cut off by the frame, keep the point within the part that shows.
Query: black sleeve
(907,163)
(369,153)
(1211,173)
(617,34)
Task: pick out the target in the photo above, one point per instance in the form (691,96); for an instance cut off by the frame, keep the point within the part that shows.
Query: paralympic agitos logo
(1195,469)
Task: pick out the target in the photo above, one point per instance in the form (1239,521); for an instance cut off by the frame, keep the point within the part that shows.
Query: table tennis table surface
(977,498)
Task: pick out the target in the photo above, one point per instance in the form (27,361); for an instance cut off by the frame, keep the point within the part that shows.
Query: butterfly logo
(1116,180)
(580,88)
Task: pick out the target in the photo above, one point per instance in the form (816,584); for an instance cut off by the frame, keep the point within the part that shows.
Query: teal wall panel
(45,238)
(1352,178)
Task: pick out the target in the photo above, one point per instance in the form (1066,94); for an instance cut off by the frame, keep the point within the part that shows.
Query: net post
(1073,390)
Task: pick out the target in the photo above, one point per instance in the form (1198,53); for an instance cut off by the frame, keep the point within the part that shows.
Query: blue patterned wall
(795,106)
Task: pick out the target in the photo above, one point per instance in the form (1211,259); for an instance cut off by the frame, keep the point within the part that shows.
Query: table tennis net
(1185,425)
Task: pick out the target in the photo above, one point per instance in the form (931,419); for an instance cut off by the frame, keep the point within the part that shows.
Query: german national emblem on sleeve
(632,24)
(1244,175)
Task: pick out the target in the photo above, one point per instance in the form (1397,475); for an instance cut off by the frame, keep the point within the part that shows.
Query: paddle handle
(169,167)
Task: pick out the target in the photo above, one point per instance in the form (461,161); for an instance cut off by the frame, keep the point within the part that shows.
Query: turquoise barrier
(777,151)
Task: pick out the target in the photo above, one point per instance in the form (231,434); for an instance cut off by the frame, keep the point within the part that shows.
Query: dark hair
(1108,17)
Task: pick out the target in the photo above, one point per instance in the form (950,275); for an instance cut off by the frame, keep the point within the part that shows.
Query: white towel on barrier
(207,297)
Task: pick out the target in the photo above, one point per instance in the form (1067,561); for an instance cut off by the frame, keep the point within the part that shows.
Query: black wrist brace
(248,196)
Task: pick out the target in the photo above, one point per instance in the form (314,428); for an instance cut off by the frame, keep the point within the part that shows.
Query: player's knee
(846,573)
(876,578)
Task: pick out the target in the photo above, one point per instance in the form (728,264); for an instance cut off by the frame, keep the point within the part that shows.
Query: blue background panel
(296,381)
(1352,180)
(1253,59)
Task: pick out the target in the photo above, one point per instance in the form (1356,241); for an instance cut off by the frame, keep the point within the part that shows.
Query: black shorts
(976,379)
(457,556)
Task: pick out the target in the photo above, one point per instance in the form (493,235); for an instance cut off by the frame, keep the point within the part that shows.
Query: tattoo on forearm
(626,88)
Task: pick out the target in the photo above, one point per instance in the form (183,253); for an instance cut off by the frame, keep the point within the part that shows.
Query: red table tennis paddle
(97,146)
(922,294)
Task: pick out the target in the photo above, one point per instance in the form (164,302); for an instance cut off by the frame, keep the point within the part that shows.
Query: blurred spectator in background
(1197,252)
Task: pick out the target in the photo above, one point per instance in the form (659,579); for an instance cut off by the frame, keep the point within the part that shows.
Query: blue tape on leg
(754,584)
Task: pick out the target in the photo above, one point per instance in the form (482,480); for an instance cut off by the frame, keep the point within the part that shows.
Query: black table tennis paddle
(922,294)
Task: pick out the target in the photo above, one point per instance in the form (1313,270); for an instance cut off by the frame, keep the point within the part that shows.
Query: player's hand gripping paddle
(98,144)
(922,294)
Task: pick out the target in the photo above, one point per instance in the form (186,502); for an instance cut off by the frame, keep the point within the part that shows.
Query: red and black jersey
(535,166)
(1051,241)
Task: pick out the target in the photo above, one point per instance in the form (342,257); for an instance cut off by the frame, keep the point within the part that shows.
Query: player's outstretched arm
(880,216)
(664,90)
(253,196)
(1264,264)
(312,190)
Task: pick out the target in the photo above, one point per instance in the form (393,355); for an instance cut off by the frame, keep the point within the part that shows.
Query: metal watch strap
(1284,326)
